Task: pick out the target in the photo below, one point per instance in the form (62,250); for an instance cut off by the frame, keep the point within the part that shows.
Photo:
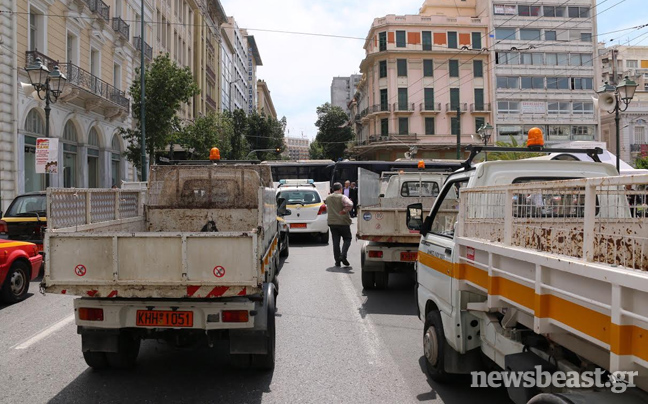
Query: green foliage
(238,144)
(167,87)
(265,132)
(333,133)
(511,155)
(642,163)
(214,130)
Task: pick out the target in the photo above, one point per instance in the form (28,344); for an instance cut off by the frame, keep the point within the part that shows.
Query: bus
(348,170)
(316,170)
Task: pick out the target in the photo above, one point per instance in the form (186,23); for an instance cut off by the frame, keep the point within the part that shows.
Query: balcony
(210,102)
(481,108)
(99,7)
(210,47)
(85,86)
(453,108)
(148,49)
(639,149)
(379,109)
(210,73)
(403,108)
(430,109)
(120,27)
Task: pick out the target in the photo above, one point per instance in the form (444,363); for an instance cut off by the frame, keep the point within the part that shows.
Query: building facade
(545,67)
(342,91)
(298,148)
(631,61)
(425,82)
(264,100)
(241,57)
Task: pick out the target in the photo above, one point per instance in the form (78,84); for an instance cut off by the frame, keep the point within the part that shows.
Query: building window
(34,128)
(582,132)
(508,107)
(117,77)
(427,40)
(529,11)
(535,83)
(550,35)
(36,30)
(382,41)
(586,37)
(403,126)
(504,9)
(508,82)
(558,132)
(115,161)
(69,155)
(551,11)
(558,108)
(505,34)
(454,126)
(402,99)
(429,126)
(454,99)
(401,67)
(479,99)
(384,127)
(72,48)
(582,83)
(454,67)
(400,39)
(382,68)
(478,68)
(632,64)
(479,122)
(557,83)
(93,159)
(476,40)
(452,40)
(428,97)
(581,108)
(384,101)
(640,135)
(578,12)
(428,68)
(529,34)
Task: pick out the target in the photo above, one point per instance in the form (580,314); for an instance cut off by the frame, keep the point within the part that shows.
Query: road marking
(45,333)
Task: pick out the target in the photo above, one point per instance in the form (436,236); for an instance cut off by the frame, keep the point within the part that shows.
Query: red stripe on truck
(218,291)
(191,290)
(113,293)
(243,292)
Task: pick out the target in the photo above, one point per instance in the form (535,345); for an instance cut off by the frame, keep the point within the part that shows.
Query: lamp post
(484,134)
(48,85)
(620,95)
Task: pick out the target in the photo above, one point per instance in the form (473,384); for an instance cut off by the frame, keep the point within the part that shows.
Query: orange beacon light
(214,154)
(535,139)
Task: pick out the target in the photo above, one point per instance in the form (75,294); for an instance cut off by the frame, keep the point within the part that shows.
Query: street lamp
(484,134)
(618,97)
(48,85)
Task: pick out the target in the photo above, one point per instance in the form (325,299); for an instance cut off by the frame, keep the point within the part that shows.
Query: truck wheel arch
(430,306)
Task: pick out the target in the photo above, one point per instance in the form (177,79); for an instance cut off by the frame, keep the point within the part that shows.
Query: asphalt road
(335,344)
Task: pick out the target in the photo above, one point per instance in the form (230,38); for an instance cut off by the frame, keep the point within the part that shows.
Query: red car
(19,265)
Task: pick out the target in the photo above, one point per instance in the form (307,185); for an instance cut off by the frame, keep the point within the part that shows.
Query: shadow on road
(340,270)
(170,375)
(398,299)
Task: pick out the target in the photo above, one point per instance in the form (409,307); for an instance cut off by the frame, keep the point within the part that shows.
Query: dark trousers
(337,232)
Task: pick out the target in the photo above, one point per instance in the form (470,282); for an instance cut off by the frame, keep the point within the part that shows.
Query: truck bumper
(117,314)
(381,253)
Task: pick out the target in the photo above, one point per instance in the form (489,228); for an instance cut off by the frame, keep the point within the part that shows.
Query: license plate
(163,318)
(297,225)
(408,256)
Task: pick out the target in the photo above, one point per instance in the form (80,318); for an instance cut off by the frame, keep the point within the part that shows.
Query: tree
(265,132)
(213,130)
(316,151)
(333,132)
(642,163)
(238,144)
(511,155)
(167,87)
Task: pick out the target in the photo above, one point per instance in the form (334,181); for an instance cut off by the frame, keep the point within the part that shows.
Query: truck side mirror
(281,207)
(414,216)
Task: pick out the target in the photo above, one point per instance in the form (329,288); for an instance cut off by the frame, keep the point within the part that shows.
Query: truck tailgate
(385,225)
(152,265)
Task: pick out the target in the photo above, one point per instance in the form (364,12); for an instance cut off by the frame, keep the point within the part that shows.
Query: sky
(299,69)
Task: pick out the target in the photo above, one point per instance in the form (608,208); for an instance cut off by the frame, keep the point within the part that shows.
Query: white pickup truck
(389,245)
(537,264)
(194,264)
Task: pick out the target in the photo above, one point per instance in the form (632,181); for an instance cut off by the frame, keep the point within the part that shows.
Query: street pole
(458,131)
(618,132)
(142,98)
(48,109)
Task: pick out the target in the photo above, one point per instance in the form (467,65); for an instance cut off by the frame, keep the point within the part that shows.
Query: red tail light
(235,316)
(322,209)
(90,314)
(375,254)
(3,227)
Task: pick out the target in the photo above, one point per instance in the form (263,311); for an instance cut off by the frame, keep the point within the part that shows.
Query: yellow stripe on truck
(23,219)
(14,244)
(623,339)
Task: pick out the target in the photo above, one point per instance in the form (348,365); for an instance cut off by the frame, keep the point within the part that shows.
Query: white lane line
(45,333)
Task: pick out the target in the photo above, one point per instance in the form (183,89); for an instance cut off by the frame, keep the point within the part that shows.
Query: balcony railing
(210,101)
(484,107)
(148,49)
(99,7)
(210,46)
(120,27)
(404,107)
(30,58)
(453,108)
(434,107)
(379,108)
(210,73)
(637,147)
(88,81)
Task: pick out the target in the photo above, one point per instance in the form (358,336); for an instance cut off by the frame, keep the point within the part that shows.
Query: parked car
(19,264)
(307,209)
(26,219)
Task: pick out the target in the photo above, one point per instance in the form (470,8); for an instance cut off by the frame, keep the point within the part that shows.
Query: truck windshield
(296,197)
(27,205)
(416,188)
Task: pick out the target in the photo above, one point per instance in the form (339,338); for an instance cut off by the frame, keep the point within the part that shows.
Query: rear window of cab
(294,197)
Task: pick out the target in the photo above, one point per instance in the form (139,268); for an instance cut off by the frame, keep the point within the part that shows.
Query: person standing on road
(353,195)
(338,207)
(347,189)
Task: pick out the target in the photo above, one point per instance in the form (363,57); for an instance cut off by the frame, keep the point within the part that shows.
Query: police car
(307,209)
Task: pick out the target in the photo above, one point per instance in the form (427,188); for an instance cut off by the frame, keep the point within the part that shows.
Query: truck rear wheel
(368,277)
(267,361)
(96,360)
(126,355)
(284,253)
(433,347)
